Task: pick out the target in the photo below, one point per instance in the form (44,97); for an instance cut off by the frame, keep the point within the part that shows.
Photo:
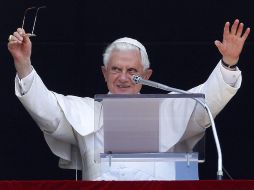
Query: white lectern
(149,131)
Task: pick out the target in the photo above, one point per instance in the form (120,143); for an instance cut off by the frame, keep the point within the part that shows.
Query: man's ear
(104,72)
(148,73)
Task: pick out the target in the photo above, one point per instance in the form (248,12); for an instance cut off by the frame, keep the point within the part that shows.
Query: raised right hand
(20,48)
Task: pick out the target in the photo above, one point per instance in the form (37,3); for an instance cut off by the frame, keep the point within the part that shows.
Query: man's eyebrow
(132,69)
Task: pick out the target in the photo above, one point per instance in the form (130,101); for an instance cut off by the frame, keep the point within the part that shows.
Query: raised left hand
(233,41)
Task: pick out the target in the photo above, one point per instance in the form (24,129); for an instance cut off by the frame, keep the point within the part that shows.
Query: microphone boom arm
(139,80)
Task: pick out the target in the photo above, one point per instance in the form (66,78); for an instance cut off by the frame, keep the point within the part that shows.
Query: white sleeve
(25,83)
(217,89)
(230,77)
(39,101)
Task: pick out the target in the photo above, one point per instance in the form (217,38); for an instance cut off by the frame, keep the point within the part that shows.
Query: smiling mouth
(123,86)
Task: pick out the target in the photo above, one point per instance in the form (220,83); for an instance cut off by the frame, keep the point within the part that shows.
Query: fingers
(246,34)
(237,29)
(13,38)
(18,36)
(235,26)
(22,32)
(226,30)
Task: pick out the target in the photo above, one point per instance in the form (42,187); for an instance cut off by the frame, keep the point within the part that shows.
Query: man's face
(118,73)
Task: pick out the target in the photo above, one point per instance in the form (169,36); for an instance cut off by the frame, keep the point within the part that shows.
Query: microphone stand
(138,80)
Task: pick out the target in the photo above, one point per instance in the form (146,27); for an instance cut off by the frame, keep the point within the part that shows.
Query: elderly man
(67,121)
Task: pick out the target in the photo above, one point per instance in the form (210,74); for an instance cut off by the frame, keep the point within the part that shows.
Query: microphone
(139,80)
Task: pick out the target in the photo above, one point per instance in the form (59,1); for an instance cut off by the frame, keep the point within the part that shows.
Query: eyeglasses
(35,18)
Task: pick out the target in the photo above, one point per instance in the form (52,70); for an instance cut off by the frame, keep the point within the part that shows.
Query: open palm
(233,41)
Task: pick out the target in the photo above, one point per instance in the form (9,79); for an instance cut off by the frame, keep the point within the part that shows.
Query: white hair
(125,44)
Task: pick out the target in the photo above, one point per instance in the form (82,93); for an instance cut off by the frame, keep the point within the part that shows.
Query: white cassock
(72,139)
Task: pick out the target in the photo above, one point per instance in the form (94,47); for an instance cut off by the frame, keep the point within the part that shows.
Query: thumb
(22,32)
(219,45)
(26,39)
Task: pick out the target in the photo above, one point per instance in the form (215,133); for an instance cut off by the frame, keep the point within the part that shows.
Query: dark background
(67,54)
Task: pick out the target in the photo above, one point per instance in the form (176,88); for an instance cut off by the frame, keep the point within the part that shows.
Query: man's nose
(124,76)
